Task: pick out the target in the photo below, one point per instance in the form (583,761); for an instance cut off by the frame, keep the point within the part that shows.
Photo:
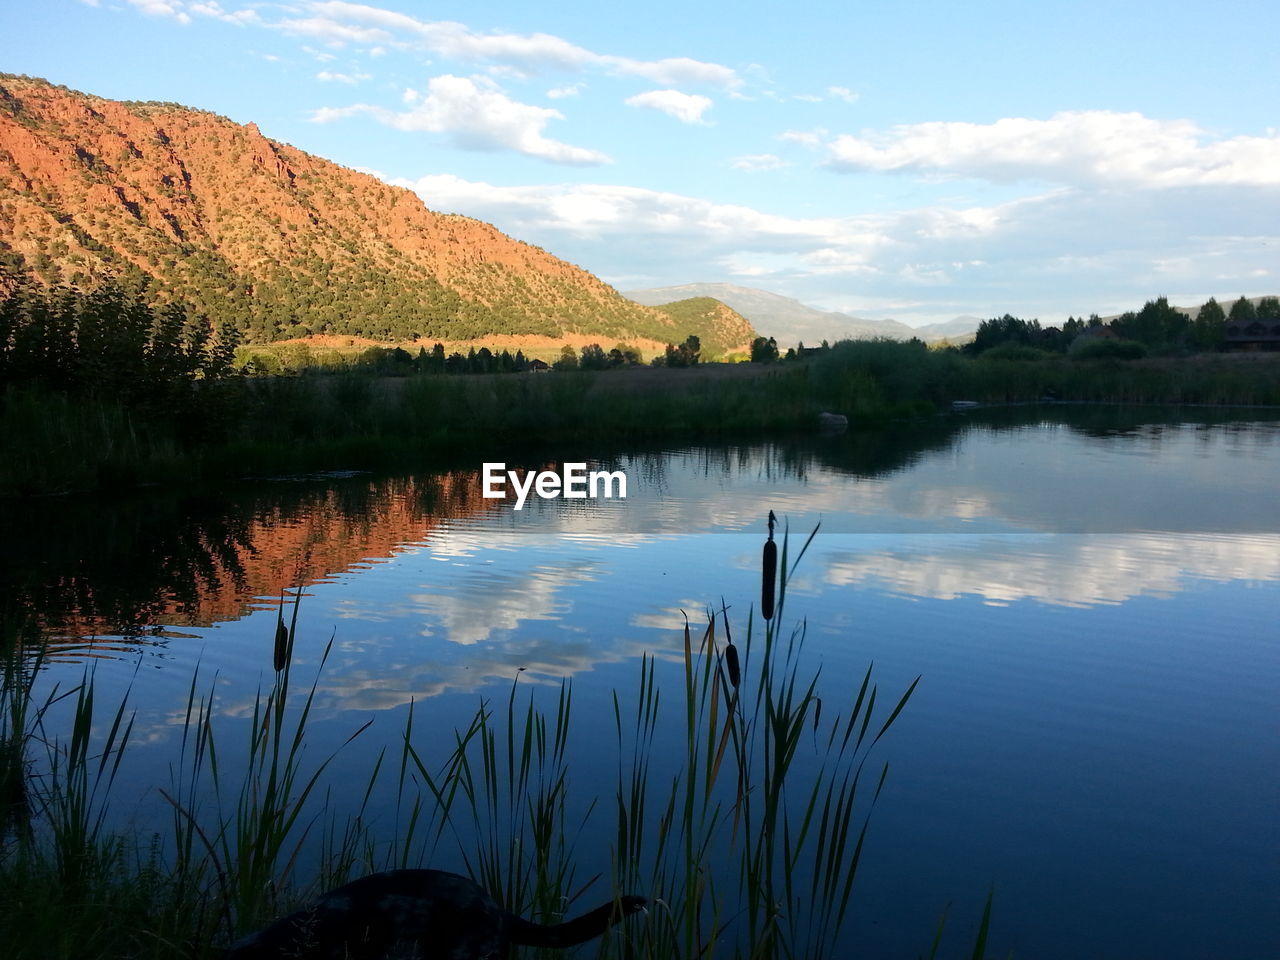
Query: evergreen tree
(437,361)
(1209,327)
(568,359)
(685,355)
(764,351)
(593,357)
(1242,313)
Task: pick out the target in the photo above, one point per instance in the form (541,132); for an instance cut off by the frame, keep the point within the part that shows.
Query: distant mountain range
(790,321)
(282,243)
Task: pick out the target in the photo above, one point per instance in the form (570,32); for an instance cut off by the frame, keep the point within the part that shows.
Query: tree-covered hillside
(278,243)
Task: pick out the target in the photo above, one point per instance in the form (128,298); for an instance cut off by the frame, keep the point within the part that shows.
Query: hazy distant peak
(789,321)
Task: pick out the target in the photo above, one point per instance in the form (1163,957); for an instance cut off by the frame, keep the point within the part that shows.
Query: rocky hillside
(283,243)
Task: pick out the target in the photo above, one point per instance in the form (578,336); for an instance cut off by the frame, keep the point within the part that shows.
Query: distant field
(332,350)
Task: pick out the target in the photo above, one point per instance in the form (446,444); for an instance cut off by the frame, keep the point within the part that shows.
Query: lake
(1091,598)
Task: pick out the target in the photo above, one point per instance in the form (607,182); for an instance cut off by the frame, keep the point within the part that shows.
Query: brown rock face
(283,243)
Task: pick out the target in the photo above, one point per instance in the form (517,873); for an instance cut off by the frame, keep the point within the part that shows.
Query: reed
(740,807)
(55,443)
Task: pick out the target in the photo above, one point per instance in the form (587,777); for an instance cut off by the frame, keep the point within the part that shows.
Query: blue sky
(915,161)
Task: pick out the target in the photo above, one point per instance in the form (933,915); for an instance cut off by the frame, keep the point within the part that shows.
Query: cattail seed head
(768,579)
(282,646)
(731,662)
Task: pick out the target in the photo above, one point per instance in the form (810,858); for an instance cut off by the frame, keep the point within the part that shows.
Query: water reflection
(1067,587)
(1070,570)
(142,572)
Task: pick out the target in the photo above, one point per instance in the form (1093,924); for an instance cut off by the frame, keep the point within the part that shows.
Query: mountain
(782,318)
(283,243)
(957,329)
(706,313)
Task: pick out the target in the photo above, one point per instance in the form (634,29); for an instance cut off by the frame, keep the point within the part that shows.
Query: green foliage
(717,327)
(1008,329)
(369,412)
(1243,313)
(764,351)
(1014,351)
(686,355)
(568,359)
(109,343)
(1209,327)
(1157,324)
(1107,348)
(593,357)
(624,355)
(875,379)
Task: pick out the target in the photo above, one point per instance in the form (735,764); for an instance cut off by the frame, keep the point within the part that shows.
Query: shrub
(1104,349)
(1014,351)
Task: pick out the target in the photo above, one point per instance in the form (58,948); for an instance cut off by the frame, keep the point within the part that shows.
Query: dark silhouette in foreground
(416,915)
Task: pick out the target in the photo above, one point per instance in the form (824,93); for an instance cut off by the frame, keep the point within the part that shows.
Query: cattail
(731,662)
(770,572)
(282,645)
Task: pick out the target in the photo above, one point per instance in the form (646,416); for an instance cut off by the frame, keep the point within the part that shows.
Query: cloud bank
(1084,148)
(475,115)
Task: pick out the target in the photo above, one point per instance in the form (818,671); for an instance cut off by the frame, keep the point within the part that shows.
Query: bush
(1014,351)
(1105,349)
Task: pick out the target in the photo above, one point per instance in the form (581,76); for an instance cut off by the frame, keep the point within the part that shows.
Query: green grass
(747,848)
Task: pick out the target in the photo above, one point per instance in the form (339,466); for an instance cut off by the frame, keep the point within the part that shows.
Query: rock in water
(415,915)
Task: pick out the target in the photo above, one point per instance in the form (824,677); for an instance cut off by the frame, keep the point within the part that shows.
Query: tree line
(397,361)
(110,343)
(1156,327)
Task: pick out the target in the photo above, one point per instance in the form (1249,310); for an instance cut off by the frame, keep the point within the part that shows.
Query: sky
(913,161)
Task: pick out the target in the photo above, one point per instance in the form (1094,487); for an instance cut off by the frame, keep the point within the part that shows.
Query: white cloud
(716,236)
(348,78)
(211,8)
(758,162)
(810,139)
(320,55)
(476,116)
(685,107)
(162,8)
(676,70)
(1064,570)
(1094,147)
(1035,250)
(341,22)
(842,93)
(559,93)
(598,209)
(335,33)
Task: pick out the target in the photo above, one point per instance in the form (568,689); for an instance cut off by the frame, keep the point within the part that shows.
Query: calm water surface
(1092,600)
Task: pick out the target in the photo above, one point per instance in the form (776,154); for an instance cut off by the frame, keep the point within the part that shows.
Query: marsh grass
(266,425)
(740,807)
